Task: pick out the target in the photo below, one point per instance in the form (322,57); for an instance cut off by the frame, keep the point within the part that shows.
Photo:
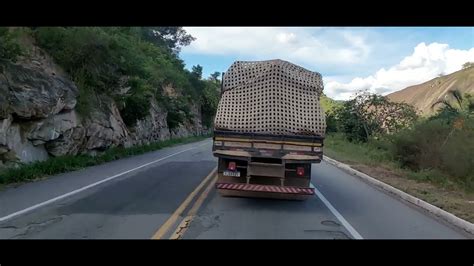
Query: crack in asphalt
(33,226)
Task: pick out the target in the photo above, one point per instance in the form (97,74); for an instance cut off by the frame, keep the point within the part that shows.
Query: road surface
(169,194)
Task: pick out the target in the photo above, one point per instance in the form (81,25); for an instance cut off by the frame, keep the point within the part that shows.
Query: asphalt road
(170,193)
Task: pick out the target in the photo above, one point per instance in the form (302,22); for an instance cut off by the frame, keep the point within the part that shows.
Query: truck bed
(288,148)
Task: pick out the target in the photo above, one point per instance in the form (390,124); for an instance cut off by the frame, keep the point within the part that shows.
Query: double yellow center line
(182,227)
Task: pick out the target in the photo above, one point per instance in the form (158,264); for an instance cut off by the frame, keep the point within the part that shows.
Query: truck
(268,130)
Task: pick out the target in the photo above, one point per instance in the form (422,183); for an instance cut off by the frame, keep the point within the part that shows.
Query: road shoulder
(463,225)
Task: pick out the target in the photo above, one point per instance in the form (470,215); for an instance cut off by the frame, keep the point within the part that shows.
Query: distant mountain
(422,96)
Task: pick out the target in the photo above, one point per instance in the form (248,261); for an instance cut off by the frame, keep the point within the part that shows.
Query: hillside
(328,104)
(422,96)
(83,90)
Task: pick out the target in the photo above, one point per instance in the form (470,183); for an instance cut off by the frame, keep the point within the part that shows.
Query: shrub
(420,147)
(457,154)
(10,49)
(436,144)
(136,107)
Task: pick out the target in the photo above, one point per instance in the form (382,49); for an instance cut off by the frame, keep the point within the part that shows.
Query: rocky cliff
(39,117)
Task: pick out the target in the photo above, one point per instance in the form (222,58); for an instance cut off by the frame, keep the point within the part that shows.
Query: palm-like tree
(464,107)
(463,104)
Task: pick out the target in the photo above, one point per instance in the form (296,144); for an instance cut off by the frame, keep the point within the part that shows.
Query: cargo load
(271,97)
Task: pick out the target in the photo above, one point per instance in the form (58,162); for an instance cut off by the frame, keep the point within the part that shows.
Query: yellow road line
(174,217)
(184,225)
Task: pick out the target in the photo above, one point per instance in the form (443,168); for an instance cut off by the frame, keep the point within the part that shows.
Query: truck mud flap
(265,188)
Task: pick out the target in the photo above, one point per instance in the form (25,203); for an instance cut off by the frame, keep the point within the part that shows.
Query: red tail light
(300,171)
(231,166)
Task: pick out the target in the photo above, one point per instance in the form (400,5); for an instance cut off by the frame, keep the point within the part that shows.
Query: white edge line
(403,196)
(344,222)
(36,206)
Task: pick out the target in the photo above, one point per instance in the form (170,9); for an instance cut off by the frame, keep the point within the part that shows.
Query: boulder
(20,149)
(52,127)
(69,143)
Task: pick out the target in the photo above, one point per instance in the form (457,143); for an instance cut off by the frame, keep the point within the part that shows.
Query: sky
(379,59)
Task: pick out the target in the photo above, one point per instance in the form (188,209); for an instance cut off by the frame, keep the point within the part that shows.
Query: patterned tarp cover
(271,97)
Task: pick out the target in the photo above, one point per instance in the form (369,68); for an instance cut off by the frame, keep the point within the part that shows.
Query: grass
(62,164)
(377,153)
(374,158)
(337,146)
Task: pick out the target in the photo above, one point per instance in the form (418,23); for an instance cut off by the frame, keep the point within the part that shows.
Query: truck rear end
(269,130)
(263,165)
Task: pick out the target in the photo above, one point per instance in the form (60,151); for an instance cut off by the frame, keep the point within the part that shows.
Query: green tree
(330,107)
(215,76)
(210,100)
(173,37)
(349,122)
(456,112)
(467,65)
(197,71)
(370,114)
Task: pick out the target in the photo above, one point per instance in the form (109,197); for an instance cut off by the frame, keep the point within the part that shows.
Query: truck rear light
(300,171)
(231,166)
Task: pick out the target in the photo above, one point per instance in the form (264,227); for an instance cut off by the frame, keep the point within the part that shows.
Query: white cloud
(307,46)
(426,62)
(344,53)
(286,37)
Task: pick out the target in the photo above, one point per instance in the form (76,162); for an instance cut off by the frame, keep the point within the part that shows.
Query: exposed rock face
(32,97)
(19,149)
(36,103)
(53,127)
(105,128)
(33,93)
(4,149)
(38,118)
(69,143)
(4,126)
(153,128)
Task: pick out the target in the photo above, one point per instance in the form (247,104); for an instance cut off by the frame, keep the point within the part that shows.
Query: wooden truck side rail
(289,148)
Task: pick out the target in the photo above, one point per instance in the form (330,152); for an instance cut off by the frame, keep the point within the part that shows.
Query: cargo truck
(268,130)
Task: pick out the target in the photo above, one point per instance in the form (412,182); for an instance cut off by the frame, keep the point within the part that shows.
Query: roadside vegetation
(62,164)
(429,157)
(129,64)
(10,49)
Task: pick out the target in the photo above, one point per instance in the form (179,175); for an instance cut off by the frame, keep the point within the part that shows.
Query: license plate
(230,173)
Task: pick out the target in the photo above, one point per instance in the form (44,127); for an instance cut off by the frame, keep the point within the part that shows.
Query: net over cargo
(271,97)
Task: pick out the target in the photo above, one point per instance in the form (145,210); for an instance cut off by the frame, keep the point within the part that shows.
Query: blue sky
(381,59)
